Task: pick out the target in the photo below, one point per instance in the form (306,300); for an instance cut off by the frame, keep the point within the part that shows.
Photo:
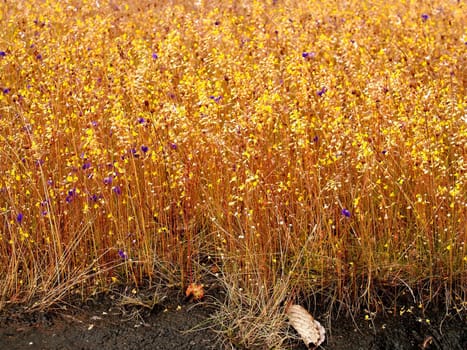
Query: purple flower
(39,56)
(117,190)
(322,91)
(134,152)
(425,17)
(141,120)
(94,198)
(122,254)
(2,53)
(70,196)
(315,139)
(346,213)
(154,56)
(19,218)
(6,90)
(216,99)
(144,148)
(86,165)
(308,54)
(173,145)
(107,180)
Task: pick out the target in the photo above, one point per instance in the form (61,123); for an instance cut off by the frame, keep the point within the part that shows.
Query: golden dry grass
(322,143)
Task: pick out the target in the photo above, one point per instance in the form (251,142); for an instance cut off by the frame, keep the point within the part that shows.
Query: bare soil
(109,322)
(178,323)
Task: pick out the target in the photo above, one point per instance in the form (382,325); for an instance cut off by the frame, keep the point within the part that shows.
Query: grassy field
(285,148)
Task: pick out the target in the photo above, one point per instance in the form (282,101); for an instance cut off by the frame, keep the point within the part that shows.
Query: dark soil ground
(177,323)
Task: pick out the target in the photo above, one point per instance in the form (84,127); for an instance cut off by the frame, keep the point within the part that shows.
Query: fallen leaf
(195,290)
(311,331)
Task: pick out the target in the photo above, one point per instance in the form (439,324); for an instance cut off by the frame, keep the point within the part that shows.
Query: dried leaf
(311,331)
(195,290)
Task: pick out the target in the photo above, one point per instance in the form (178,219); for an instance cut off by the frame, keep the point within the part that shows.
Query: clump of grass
(255,318)
(140,140)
